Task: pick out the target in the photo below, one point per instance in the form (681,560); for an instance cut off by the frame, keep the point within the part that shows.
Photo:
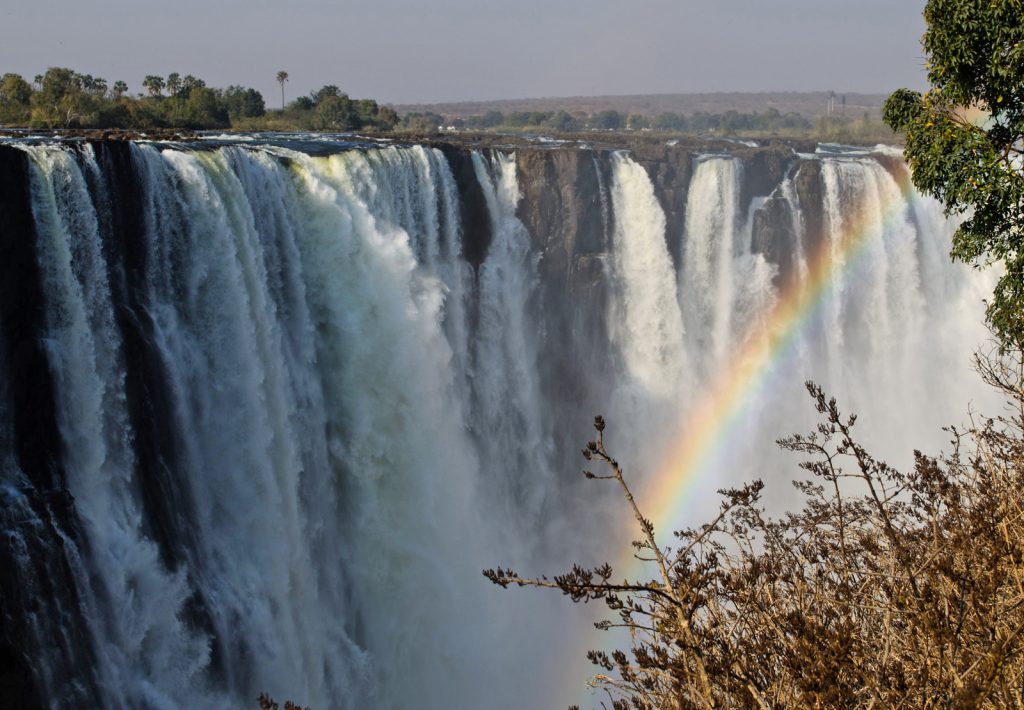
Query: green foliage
(330,109)
(965,139)
(204,109)
(564,122)
(607,120)
(491,119)
(901,109)
(282,77)
(189,83)
(173,83)
(63,98)
(422,122)
(15,98)
(154,84)
(241,102)
(302,103)
(668,121)
(637,122)
(730,122)
(335,113)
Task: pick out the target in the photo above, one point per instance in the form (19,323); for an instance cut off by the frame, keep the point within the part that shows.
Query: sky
(409,51)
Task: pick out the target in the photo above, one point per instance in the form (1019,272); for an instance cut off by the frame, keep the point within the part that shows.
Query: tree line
(771,121)
(699,122)
(64,98)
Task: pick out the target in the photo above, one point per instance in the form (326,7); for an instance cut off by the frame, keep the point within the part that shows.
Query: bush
(887,589)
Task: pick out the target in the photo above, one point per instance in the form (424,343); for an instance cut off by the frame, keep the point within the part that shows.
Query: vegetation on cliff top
(770,123)
(63,98)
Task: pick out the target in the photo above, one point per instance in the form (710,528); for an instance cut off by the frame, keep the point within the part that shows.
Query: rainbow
(706,427)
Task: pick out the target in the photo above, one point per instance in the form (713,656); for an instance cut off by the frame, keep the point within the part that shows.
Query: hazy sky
(443,50)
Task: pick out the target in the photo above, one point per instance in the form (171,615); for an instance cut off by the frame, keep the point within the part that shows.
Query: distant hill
(809,104)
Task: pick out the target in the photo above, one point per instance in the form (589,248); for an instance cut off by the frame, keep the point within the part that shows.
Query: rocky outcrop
(566,209)
(763,170)
(476,222)
(670,170)
(773,236)
(781,228)
(810,194)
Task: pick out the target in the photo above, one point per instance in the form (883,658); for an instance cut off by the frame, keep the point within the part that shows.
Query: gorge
(269,404)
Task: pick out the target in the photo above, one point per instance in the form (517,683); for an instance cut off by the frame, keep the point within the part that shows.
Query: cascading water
(508,415)
(281,416)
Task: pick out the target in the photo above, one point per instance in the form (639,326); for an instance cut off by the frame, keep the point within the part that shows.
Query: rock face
(810,192)
(476,223)
(793,222)
(763,170)
(566,208)
(773,236)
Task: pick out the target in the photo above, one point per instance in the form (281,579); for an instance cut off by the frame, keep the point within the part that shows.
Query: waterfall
(646,322)
(508,412)
(289,403)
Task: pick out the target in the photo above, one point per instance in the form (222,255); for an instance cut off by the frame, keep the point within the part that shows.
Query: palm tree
(282,77)
(154,84)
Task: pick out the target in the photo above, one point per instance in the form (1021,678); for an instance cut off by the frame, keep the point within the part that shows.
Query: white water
(508,413)
(359,421)
(645,319)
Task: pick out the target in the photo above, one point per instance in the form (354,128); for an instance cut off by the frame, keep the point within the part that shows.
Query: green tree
(492,119)
(243,103)
(330,90)
(61,99)
(301,104)
(563,121)
(15,99)
(282,77)
(335,113)
(189,83)
(607,120)
(120,89)
(423,122)
(153,84)
(173,83)
(367,109)
(518,119)
(387,118)
(669,121)
(965,139)
(206,109)
(637,122)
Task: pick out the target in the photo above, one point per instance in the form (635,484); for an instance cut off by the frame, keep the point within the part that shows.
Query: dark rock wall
(565,207)
(40,540)
(476,221)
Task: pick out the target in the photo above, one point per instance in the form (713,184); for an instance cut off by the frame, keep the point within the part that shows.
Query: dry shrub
(885,590)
